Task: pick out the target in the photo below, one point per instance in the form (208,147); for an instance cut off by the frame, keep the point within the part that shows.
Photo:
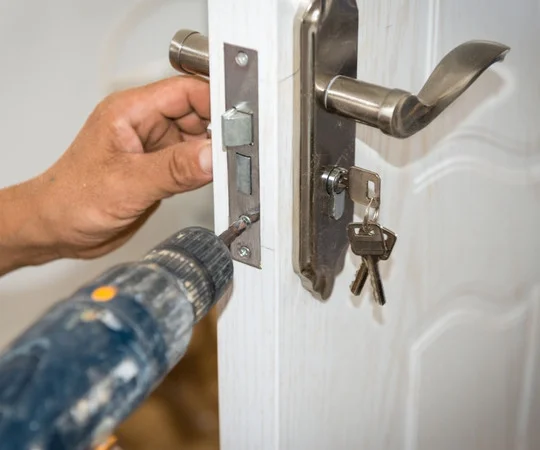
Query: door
(452,361)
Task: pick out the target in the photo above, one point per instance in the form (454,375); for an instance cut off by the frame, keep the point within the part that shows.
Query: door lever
(330,95)
(401,114)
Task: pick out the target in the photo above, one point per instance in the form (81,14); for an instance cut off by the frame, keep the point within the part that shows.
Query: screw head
(244,252)
(242,59)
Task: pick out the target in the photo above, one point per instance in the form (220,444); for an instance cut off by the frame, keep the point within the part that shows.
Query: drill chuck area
(69,380)
(200,262)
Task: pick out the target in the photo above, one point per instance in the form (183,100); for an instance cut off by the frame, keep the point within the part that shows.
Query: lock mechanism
(330,96)
(188,53)
(331,100)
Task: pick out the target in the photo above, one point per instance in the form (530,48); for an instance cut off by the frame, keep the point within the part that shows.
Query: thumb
(179,168)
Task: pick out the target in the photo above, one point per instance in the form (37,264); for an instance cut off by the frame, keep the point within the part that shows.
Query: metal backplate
(328,47)
(241,91)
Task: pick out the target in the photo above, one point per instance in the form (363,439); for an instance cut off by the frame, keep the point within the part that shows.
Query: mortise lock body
(331,99)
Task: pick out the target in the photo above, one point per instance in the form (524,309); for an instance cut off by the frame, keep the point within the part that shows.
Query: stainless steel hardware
(330,95)
(363,186)
(400,113)
(188,53)
(328,47)
(363,272)
(333,181)
(237,126)
(365,242)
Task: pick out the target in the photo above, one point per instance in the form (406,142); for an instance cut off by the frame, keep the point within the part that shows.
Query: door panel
(452,360)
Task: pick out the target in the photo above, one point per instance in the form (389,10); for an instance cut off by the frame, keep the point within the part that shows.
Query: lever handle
(188,52)
(401,114)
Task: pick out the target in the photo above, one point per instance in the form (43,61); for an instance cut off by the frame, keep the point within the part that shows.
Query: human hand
(135,149)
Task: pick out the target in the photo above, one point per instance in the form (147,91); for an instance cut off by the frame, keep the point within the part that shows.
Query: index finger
(172,98)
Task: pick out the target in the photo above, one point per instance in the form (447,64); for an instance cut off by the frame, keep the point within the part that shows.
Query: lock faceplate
(328,47)
(240,128)
(188,53)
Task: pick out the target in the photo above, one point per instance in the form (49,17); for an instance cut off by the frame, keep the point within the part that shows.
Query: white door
(453,360)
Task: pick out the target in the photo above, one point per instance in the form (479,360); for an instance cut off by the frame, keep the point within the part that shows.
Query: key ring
(366,214)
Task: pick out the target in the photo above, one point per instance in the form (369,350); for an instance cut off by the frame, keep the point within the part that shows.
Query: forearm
(23,239)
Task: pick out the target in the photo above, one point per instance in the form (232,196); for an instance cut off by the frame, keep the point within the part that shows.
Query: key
(366,239)
(360,279)
(376,282)
(390,239)
(363,272)
(364,187)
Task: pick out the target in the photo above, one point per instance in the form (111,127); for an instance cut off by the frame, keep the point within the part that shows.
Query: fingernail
(205,159)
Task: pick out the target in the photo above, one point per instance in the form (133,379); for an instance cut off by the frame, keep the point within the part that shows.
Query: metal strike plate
(328,47)
(240,132)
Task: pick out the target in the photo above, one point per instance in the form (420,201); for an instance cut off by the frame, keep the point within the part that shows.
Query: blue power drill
(79,371)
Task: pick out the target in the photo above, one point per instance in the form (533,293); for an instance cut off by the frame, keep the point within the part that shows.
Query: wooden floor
(183,412)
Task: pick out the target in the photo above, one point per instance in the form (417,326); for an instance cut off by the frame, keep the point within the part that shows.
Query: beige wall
(59,58)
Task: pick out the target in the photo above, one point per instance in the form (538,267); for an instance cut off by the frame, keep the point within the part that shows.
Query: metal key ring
(366,214)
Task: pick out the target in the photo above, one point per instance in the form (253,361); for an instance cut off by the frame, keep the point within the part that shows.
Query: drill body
(71,378)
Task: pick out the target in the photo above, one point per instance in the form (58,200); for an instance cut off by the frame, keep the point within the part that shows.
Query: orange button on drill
(104,293)
(109,444)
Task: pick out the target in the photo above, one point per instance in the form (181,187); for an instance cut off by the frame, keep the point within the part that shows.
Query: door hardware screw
(242,59)
(244,252)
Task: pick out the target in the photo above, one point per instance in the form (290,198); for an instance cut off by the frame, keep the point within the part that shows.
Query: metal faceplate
(328,47)
(240,129)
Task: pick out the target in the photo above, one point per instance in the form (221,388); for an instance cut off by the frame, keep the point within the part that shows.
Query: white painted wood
(248,343)
(452,361)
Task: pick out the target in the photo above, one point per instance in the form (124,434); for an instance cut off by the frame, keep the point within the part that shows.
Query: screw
(244,252)
(242,59)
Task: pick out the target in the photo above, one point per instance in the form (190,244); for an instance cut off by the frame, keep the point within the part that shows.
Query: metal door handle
(188,52)
(401,114)
(394,111)
(330,95)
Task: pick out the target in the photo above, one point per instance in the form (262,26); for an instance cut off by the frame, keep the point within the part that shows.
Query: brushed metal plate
(242,92)
(328,47)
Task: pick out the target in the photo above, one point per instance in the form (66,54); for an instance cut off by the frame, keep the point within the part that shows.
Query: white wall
(58,59)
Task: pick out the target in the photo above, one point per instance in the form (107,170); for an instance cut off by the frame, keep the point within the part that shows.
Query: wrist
(23,234)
